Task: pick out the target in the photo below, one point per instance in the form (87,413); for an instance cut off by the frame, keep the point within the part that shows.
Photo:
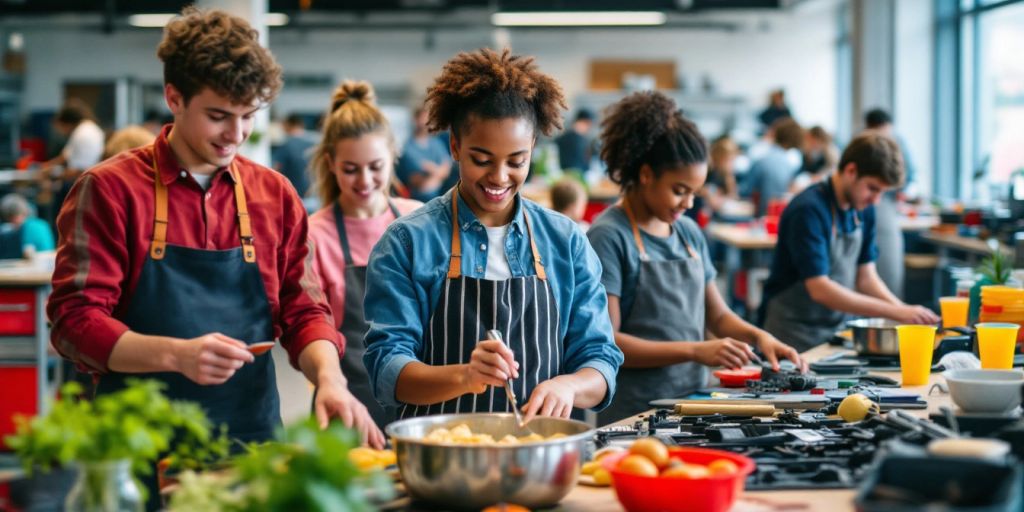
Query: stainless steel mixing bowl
(875,337)
(470,477)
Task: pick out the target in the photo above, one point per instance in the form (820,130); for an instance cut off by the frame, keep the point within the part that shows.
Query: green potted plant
(994,270)
(304,469)
(114,438)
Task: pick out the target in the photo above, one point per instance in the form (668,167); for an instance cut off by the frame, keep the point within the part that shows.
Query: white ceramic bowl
(985,391)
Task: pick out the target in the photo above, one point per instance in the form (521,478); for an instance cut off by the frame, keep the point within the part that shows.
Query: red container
(737,378)
(20,397)
(711,494)
(775,208)
(594,208)
(17,312)
(771,225)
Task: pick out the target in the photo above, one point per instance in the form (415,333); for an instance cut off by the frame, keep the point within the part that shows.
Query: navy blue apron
(354,327)
(522,308)
(185,292)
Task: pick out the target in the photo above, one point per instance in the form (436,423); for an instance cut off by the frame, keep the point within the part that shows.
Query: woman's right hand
(491,364)
(725,352)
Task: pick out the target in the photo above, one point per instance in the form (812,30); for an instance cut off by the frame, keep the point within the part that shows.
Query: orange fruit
(653,449)
(723,467)
(505,507)
(638,465)
(602,477)
(686,471)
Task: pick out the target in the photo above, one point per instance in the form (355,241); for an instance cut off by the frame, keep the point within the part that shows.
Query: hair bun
(352,90)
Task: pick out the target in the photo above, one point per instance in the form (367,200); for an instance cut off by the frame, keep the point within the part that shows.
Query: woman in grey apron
(662,296)
(354,166)
(793,315)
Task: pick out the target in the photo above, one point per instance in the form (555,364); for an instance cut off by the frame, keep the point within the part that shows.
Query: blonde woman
(353,167)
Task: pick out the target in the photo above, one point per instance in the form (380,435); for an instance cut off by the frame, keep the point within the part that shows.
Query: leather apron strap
(640,241)
(455,261)
(158,246)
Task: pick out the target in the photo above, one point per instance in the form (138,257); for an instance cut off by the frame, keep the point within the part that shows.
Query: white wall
(794,49)
(914,85)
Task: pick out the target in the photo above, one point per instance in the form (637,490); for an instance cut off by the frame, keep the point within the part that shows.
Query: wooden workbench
(972,246)
(597,499)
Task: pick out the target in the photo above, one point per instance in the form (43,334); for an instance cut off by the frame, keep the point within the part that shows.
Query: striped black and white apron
(522,308)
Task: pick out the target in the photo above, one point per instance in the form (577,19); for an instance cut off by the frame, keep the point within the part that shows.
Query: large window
(1000,90)
(979,97)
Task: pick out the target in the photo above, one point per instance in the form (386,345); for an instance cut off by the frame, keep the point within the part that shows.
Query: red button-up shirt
(106,225)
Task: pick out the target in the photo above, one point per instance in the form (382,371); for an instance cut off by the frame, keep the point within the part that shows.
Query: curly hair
(217,50)
(875,155)
(352,114)
(648,128)
(490,85)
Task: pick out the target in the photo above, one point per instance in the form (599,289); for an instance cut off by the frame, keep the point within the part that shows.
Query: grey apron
(889,238)
(354,327)
(793,316)
(522,308)
(668,307)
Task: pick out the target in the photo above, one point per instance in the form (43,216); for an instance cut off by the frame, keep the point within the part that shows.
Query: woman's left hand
(553,397)
(773,350)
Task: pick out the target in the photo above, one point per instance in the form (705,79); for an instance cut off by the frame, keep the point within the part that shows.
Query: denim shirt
(409,265)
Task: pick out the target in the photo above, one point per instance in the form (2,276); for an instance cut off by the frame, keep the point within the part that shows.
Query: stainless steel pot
(875,337)
(470,477)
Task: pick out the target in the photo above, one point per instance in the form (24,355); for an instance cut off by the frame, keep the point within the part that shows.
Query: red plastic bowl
(737,378)
(712,494)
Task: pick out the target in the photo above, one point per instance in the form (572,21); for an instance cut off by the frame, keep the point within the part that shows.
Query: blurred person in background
(130,137)
(22,233)
(769,177)
(823,269)
(891,248)
(575,145)
(83,150)
(569,198)
(721,183)
(291,158)
(820,159)
(425,163)
(777,109)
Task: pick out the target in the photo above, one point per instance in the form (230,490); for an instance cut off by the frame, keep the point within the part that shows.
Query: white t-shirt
(497,262)
(203,180)
(84,148)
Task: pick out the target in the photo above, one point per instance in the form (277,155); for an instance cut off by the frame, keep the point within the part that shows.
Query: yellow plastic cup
(917,342)
(996,343)
(954,311)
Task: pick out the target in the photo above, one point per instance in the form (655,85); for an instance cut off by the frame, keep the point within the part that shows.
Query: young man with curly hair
(176,256)
(482,257)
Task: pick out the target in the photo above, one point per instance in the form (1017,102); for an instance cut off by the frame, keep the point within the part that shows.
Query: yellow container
(954,311)
(998,295)
(917,342)
(996,342)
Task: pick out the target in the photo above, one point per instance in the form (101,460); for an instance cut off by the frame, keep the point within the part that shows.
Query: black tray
(932,481)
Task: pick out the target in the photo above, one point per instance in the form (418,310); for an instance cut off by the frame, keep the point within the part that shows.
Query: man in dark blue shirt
(823,268)
(575,145)
(292,157)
